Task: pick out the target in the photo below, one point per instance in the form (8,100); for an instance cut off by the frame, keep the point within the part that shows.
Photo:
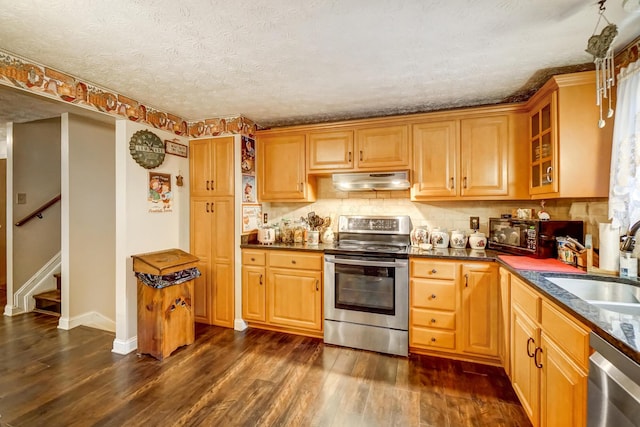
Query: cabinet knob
(433,339)
(433,320)
(293,261)
(253,259)
(433,296)
(434,271)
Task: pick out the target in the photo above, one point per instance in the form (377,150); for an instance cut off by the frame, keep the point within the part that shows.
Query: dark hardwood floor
(50,377)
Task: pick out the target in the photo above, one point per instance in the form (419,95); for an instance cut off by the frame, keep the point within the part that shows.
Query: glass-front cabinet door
(543,165)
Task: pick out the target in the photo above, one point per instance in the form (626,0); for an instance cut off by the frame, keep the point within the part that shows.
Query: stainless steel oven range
(366,284)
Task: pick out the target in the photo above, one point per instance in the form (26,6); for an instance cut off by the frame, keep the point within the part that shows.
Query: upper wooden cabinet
(281,168)
(477,156)
(330,150)
(567,149)
(211,166)
(367,148)
(382,148)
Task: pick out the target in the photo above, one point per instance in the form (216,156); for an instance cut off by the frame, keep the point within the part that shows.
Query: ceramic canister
(439,238)
(458,239)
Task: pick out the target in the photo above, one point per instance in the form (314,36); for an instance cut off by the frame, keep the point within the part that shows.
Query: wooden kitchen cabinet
(212,241)
(330,151)
(453,309)
(567,149)
(211,167)
(504,310)
(281,171)
(480,308)
(383,148)
(477,154)
(549,359)
(282,290)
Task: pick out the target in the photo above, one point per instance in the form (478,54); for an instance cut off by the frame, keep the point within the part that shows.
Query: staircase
(50,302)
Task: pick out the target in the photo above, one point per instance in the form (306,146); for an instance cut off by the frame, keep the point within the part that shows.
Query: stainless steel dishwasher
(614,387)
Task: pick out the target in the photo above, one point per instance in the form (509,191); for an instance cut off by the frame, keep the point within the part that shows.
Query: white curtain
(624,182)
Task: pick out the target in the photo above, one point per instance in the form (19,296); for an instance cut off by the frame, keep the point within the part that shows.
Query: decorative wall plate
(147,149)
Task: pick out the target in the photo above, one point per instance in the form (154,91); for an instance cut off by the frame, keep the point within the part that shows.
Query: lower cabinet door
(525,376)
(295,298)
(254,283)
(563,398)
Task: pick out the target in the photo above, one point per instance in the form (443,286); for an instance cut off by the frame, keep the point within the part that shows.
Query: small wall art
(175,148)
(248,156)
(160,197)
(249,189)
(251,216)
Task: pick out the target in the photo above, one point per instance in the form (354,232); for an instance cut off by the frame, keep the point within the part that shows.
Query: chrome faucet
(630,239)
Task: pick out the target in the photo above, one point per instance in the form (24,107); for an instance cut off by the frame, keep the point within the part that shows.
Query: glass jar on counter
(287,232)
(298,232)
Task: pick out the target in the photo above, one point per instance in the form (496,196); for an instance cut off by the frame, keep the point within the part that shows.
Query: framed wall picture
(160,197)
(251,217)
(173,147)
(249,193)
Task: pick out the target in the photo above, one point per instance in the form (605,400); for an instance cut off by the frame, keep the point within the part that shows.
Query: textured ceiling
(282,62)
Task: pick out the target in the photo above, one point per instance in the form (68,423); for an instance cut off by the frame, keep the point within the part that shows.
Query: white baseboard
(12,310)
(125,347)
(240,325)
(92,319)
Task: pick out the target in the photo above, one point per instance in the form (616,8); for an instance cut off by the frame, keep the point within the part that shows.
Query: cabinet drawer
(433,269)
(424,337)
(433,319)
(253,257)
(436,294)
(295,260)
(570,335)
(527,299)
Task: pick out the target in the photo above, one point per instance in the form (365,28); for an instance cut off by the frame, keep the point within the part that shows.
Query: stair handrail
(38,212)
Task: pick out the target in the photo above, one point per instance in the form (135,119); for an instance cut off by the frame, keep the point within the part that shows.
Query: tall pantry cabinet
(212,228)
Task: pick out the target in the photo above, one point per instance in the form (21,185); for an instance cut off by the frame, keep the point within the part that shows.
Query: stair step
(49,296)
(48,302)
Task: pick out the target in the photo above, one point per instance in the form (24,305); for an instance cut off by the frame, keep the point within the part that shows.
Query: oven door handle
(362,262)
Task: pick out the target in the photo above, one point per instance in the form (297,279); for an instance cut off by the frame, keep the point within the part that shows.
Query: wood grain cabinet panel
(480,325)
(565,140)
(329,151)
(211,228)
(383,147)
(281,171)
(284,293)
(549,359)
(211,166)
(435,159)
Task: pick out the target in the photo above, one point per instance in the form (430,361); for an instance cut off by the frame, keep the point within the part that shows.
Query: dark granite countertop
(288,247)
(605,323)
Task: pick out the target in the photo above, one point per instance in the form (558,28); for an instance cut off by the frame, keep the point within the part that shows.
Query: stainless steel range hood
(371,181)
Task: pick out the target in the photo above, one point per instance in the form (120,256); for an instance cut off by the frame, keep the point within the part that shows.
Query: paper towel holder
(593,261)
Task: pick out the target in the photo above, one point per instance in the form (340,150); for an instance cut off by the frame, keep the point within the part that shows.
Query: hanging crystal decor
(600,46)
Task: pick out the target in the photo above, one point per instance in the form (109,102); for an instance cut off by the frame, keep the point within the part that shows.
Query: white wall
(35,168)
(88,225)
(139,231)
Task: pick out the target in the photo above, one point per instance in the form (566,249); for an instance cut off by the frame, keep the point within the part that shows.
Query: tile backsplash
(450,215)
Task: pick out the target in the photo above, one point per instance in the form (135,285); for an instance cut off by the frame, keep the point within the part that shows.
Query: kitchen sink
(614,296)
